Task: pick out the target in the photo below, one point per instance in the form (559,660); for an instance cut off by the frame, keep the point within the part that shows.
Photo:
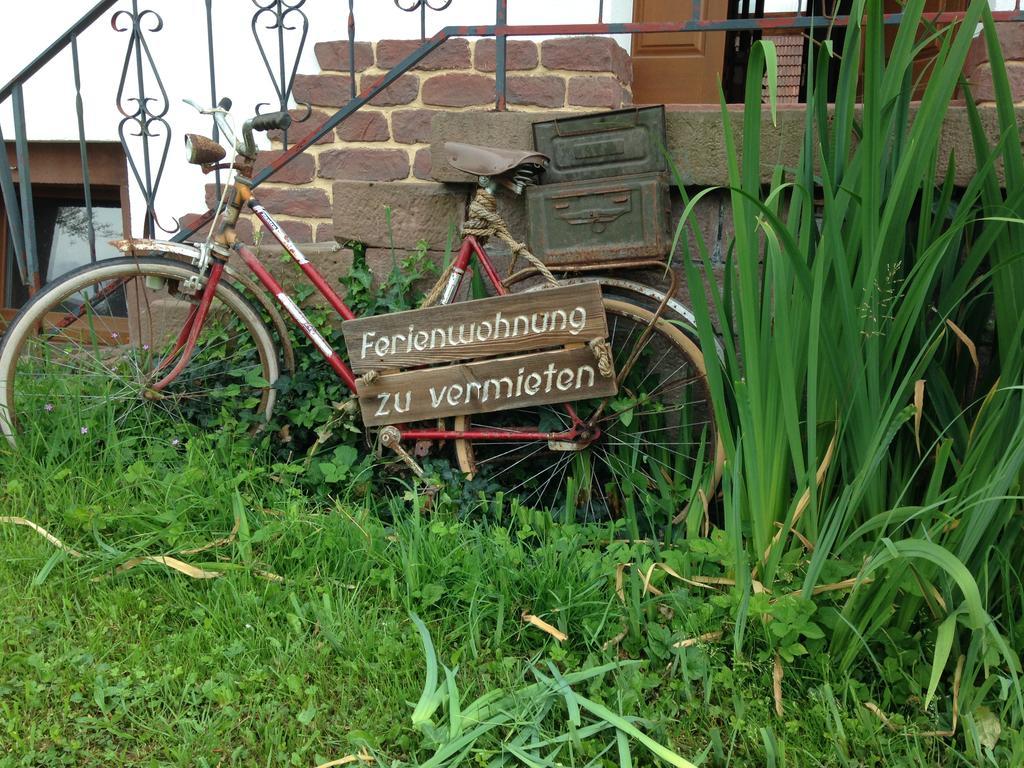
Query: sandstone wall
(388,156)
(320,196)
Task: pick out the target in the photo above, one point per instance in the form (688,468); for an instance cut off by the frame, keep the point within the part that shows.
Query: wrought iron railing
(19,208)
(412,6)
(143,103)
(283,17)
(143,100)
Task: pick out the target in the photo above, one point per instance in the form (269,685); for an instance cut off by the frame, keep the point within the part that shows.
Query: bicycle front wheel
(658,449)
(85,352)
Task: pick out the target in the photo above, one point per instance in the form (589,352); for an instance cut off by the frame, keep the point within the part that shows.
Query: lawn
(303,650)
(851,594)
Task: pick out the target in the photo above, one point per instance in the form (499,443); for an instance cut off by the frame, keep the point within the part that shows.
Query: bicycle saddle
(489,161)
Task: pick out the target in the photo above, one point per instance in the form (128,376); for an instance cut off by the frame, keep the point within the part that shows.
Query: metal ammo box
(609,200)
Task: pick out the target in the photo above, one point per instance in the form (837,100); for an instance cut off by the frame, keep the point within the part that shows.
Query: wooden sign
(542,378)
(467,330)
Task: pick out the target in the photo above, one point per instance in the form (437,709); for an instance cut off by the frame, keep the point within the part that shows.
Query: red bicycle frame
(470,247)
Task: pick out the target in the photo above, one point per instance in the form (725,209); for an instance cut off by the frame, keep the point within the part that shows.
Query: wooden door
(678,67)
(924,61)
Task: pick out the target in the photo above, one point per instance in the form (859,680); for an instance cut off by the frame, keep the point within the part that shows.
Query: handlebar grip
(224,103)
(271,121)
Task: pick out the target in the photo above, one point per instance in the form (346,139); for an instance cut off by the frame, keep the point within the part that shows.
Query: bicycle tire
(117,316)
(661,475)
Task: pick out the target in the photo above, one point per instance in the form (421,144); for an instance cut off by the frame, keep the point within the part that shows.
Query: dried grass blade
(706,580)
(170,562)
(804,541)
(543,626)
(615,640)
(918,410)
(972,350)
(707,637)
(844,584)
(647,587)
(706,520)
(805,497)
(362,757)
(218,543)
(871,707)
(675,575)
(620,572)
(270,576)
(42,532)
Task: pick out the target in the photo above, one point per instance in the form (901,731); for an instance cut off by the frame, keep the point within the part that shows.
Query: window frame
(56,172)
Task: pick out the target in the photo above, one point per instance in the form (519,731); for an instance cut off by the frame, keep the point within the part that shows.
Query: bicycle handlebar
(246,147)
(271,121)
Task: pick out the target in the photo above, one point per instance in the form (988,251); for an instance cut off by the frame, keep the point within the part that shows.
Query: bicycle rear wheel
(658,450)
(87,349)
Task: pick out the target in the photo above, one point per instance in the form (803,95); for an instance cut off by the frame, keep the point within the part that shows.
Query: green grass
(861,439)
(866,543)
(150,667)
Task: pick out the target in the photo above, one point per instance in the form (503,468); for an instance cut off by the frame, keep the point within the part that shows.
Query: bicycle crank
(583,440)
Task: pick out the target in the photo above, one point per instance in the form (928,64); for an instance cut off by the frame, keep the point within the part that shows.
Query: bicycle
(165,331)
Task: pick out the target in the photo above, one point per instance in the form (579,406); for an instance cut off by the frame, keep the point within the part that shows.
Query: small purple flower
(48,407)
(85,430)
(175,441)
(113,335)
(145,347)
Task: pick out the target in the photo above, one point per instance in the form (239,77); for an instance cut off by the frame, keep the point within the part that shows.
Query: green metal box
(619,143)
(604,220)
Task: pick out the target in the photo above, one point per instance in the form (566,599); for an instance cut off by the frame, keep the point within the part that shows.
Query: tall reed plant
(870,397)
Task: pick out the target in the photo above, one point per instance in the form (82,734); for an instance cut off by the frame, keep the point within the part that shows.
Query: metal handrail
(20,214)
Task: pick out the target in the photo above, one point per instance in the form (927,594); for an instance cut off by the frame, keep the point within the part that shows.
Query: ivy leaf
(812,631)
(253,379)
(306,716)
(796,649)
(431,593)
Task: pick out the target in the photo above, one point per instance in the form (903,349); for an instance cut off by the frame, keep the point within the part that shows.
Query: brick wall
(340,188)
(389,140)
(979,71)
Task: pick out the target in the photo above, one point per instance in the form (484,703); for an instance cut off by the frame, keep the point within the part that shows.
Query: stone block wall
(979,71)
(321,196)
(381,157)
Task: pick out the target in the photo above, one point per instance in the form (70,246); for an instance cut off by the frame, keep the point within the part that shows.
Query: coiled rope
(602,352)
(485,222)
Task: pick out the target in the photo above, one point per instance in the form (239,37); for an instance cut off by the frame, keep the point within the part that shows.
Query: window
(62,237)
(61,219)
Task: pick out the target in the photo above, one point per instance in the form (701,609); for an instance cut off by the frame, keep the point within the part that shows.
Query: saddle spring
(527,175)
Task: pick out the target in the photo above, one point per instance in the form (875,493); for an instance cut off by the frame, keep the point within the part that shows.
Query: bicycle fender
(142,246)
